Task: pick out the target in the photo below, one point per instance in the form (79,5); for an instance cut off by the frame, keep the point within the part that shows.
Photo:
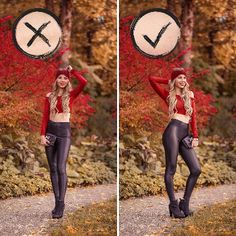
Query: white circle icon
(155,32)
(37,33)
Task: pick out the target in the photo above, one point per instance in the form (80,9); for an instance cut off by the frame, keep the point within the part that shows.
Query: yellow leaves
(211,220)
(104,51)
(138,114)
(225,48)
(95,30)
(211,8)
(95,219)
(91,8)
(128,7)
(71,230)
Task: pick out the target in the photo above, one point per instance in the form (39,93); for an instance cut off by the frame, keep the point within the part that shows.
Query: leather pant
(175,131)
(57,156)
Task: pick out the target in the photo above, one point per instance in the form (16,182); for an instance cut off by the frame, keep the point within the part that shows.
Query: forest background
(207,49)
(89,31)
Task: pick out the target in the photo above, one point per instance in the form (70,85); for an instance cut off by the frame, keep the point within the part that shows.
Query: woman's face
(62,81)
(180,81)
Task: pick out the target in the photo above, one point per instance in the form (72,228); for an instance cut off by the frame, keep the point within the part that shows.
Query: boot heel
(170,212)
(184,206)
(60,210)
(174,210)
(56,205)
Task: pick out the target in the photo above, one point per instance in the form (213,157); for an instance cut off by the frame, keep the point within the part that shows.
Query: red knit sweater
(163,93)
(73,94)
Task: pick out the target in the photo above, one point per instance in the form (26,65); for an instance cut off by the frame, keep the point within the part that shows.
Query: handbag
(51,138)
(187,141)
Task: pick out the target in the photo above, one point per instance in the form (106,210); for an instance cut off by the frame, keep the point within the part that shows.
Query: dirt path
(144,216)
(30,215)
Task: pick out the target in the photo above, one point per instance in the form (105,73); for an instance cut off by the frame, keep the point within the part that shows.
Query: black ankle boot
(59,210)
(174,210)
(56,204)
(184,206)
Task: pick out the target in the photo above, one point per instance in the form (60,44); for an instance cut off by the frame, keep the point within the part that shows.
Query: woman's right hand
(69,68)
(44,141)
(195,142)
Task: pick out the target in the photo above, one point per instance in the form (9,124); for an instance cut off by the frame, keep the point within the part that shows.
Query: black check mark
(162,31)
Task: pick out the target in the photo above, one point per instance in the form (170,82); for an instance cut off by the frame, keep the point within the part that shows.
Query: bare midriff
(181,117)
(60,117)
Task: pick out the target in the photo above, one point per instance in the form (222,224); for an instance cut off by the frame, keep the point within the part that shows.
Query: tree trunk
(187,22)
(171,6)
(211,36)
(66,22)
(49,5)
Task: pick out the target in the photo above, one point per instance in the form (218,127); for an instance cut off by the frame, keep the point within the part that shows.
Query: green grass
(95,220)
(219,219)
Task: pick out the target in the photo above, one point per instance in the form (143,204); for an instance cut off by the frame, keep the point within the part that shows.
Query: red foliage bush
(24,82)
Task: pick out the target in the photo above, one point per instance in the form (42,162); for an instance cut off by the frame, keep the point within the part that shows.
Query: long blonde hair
(171,99)
(65,98)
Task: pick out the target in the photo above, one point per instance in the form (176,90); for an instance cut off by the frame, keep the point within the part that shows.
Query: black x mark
(162,31)
(37,33)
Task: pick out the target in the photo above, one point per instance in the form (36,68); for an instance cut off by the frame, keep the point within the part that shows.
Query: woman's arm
(82,82)
(193,122)
(45,117)
(155,81)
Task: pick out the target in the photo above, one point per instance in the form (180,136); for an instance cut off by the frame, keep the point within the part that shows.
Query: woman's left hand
(195,142)
(69,68)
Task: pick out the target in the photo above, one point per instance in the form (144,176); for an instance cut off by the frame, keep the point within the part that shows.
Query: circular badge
(155,32)
(37,33)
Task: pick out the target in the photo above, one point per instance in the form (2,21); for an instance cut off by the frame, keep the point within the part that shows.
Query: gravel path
(30,215)
(144,216)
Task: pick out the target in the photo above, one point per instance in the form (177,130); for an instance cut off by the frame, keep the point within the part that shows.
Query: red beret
(176,72)
(63,72)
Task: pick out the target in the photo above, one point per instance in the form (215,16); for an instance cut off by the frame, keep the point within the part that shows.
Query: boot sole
(57,217)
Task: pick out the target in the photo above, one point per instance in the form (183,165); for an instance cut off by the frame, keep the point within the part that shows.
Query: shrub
(142,167)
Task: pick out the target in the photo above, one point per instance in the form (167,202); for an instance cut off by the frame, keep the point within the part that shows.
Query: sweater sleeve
(82,82)
(193,122)
(45,117)
(155,81)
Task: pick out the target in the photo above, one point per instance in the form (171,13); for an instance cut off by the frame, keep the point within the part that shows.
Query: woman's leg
(171,145)
(62,155)
(52,162)
(192,162)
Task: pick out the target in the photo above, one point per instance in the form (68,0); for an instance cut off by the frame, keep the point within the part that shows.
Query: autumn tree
(141,110)
(66,22)
(24,83)
(92,46)
(212,49)
(187,24)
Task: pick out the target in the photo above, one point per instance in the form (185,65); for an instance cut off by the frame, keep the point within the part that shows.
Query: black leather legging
(175,131)
(57,156)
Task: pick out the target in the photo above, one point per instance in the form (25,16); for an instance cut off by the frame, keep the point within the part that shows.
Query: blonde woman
(182,114)
(56,131)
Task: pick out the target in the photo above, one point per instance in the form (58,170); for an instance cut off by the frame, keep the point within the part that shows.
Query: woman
(55,121)
(182,113)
